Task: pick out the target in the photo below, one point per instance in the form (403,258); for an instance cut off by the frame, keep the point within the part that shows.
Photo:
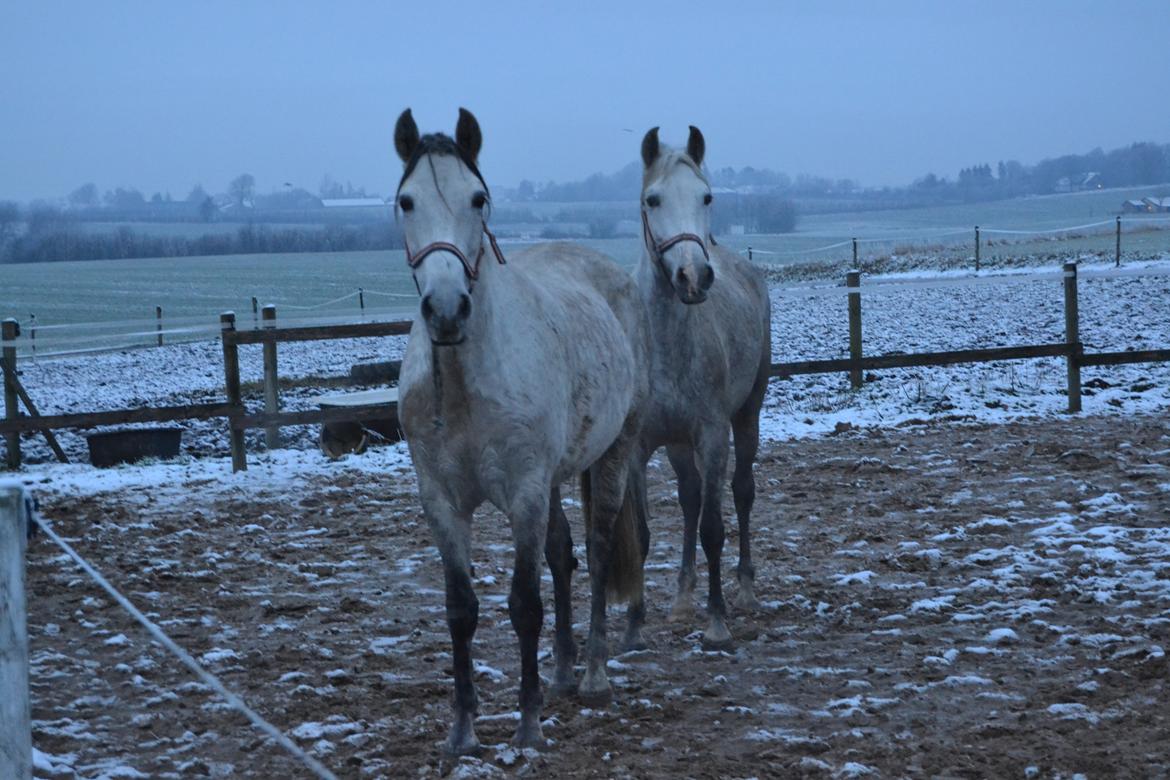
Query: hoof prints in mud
(961,600)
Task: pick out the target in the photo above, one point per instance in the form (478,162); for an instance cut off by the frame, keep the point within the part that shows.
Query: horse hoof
(529,738)
(562,689)
(717,637)
(635,644)
(595,695)
(466,748)
(682,612)
(746,601)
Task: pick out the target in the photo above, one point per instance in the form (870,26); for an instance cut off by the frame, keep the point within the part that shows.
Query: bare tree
(242,188)
(85,196)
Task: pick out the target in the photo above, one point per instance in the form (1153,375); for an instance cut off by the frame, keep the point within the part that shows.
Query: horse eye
(707,199)
(653,201)
(406,203)
(478,200)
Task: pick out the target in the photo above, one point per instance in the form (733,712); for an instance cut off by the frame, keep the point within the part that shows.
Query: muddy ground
(939,600)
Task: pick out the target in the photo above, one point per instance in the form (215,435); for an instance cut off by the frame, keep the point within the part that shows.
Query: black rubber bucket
(132,445)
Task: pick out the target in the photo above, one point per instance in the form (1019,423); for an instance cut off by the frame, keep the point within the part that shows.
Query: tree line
(53,235)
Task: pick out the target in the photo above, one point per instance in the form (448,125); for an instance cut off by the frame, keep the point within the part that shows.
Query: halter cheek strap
(414,259)
(658,248)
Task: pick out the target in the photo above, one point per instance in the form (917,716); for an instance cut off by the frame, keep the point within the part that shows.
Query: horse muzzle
(446,317)
(691,284)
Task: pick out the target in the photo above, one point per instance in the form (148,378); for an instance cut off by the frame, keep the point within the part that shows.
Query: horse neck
(661,299)
(459,367)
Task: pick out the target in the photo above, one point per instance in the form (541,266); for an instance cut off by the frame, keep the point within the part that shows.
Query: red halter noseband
(658,248)
(414,260)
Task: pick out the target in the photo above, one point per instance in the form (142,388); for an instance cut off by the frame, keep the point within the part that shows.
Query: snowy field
(958,578)
(946,311)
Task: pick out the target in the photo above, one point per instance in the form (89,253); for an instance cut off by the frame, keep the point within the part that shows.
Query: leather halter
(414,259)
(658,248)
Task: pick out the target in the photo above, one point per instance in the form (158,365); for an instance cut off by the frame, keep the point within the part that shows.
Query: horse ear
(696,146)
(405,135)
(468,135)
(650,147)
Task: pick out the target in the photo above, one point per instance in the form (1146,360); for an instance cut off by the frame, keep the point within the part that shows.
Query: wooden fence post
(255,312)
(1072,335)
(855,265)
(1117,256)
(362,300)
(231,378)
(976,249)
(32,335)
(853,280)
(158,323)
(9,330)
(15,716)
(271,388)
(749,254)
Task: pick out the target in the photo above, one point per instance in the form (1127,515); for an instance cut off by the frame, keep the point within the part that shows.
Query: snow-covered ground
(903,312)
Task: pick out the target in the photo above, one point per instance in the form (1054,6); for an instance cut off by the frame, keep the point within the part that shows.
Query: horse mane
(667,158)
(441,144)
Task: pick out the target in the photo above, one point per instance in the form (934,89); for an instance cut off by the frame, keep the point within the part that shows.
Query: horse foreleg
(452,534)
(743,488)
(527,611)
(682,459)
(713,459)
(558,552)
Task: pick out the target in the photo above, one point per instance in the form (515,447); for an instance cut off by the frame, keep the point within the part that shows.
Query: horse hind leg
(746,430)
(558,552)
(682,460)
(636,613)
(605,484)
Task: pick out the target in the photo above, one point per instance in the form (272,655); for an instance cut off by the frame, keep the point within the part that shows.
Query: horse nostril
(680,277)
(464,306)
(426,308)
(708,277)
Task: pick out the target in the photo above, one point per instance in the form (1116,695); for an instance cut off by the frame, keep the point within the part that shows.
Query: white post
(15,718)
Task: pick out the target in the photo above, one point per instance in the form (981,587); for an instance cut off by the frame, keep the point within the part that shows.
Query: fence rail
(268,332)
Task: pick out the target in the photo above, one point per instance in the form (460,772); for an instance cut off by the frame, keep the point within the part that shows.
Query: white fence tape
(213,682)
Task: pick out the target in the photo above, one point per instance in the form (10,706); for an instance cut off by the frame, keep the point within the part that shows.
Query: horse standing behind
(516,377)
(710,324)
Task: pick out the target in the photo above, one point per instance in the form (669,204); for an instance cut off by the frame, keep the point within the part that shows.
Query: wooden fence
(272,419)
(15,722)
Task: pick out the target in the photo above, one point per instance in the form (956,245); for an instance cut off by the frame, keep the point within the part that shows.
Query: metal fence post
(976,249)
(855,253)
(255,312)
(271,378)
(9,330)
(32,335)
(15,714)
(853,280)
(1117,256)
(749,254)
(231,377)
(158,323)
(1072,335)
(362,300)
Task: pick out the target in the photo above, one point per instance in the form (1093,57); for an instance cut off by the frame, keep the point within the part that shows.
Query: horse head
(443,200)
(676,214)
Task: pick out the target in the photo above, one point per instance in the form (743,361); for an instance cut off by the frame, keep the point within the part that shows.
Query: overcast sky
(162,95)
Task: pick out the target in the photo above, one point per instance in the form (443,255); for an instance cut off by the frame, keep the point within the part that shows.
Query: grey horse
(518,375)
(710,324)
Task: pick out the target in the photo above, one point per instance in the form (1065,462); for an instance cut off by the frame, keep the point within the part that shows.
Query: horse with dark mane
(518,375)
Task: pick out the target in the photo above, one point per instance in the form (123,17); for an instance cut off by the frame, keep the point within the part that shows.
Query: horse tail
(627,551)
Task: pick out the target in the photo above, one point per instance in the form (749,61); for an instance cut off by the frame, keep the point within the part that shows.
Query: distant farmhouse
(353,203)
(1085,181)
(1146,206)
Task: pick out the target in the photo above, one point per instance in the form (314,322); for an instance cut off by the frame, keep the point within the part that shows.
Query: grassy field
(193,290)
